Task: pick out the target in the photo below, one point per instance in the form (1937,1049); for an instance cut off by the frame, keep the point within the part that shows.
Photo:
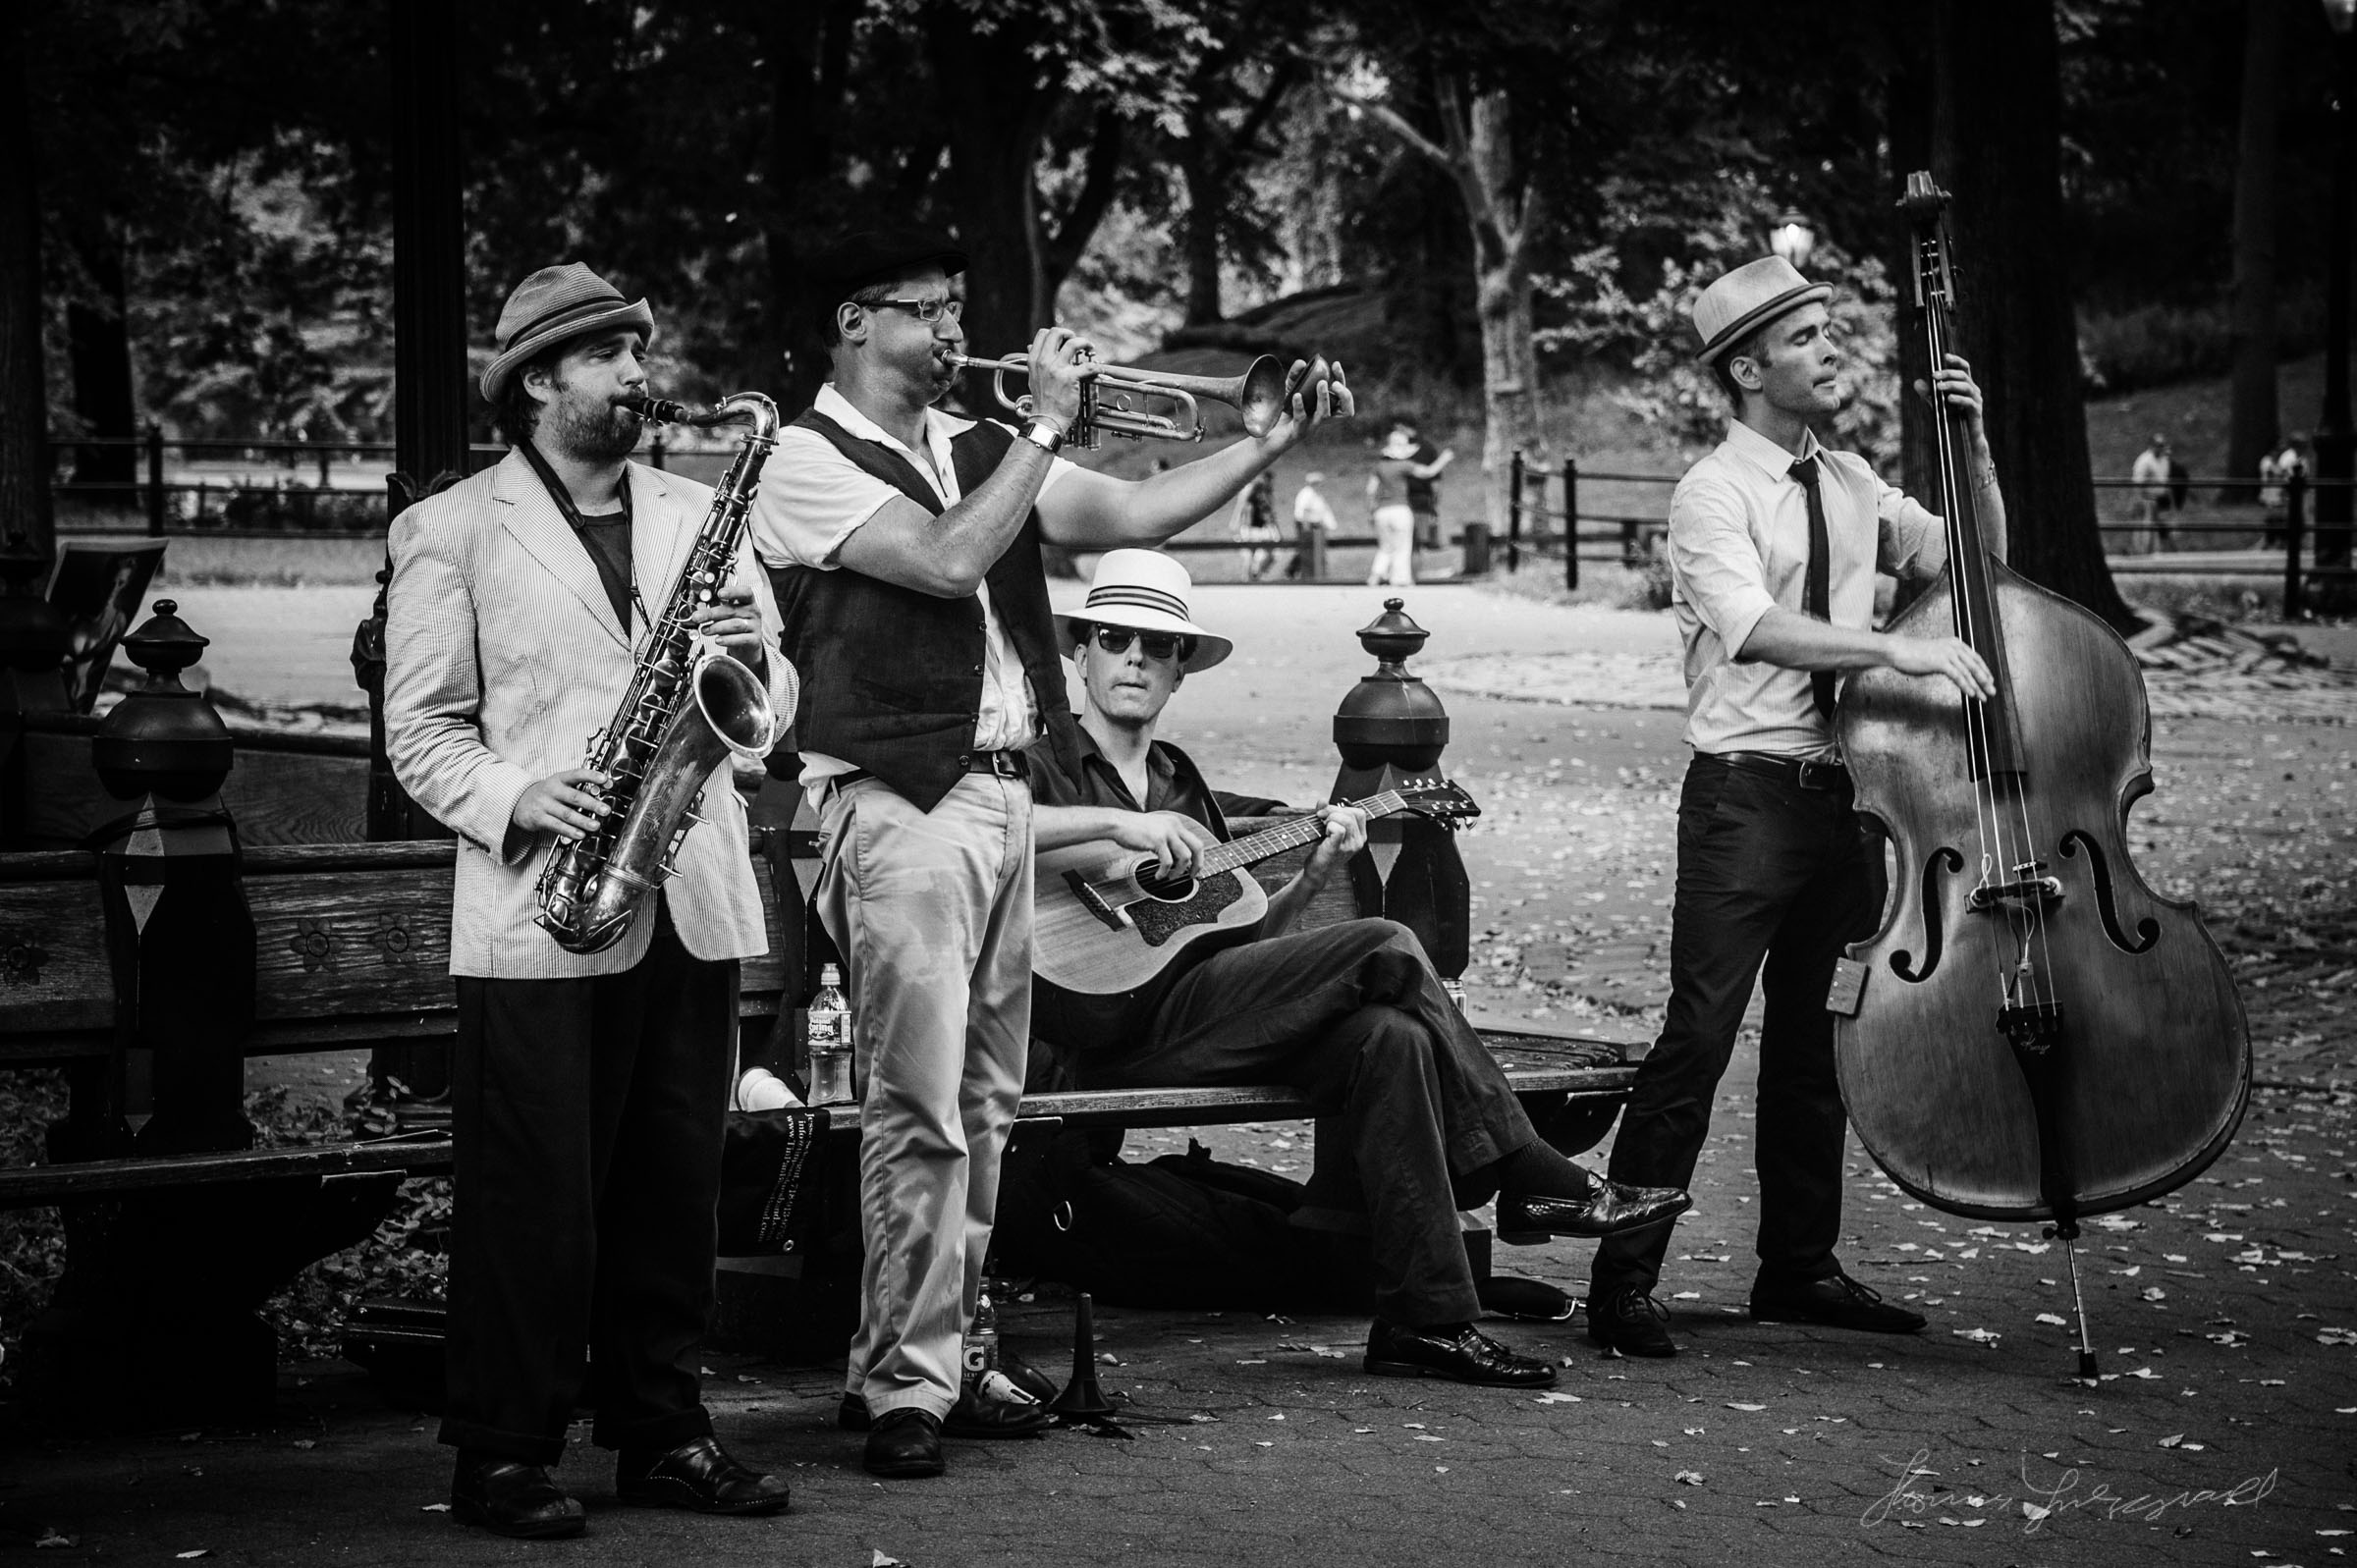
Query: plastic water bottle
(1456,991)
(830,1042)
(982,1343)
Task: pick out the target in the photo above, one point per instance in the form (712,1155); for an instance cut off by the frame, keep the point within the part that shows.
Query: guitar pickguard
(1158,922)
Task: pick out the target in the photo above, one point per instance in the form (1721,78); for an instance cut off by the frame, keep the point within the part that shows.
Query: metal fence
(1562,531)
(271,503)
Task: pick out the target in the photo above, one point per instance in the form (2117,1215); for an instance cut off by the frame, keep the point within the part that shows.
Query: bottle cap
(829,975)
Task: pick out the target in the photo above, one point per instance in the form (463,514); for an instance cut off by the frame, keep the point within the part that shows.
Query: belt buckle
(1815,775)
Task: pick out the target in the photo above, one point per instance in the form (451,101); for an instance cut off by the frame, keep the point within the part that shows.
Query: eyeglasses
(927,311)
(1158,644)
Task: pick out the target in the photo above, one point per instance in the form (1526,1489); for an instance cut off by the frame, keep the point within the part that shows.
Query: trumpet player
(904,548)
(588,1092)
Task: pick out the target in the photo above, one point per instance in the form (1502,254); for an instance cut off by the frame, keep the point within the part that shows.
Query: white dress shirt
(1739,547)
(812,498)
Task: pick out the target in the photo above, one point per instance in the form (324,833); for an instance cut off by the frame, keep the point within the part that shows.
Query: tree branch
(1391,120)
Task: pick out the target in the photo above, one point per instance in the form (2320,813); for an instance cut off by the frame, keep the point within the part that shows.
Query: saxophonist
(588,1091)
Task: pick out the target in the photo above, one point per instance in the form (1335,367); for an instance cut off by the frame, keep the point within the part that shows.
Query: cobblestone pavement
(2223,1428)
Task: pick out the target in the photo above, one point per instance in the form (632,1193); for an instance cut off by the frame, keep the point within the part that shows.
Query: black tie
(1817,598)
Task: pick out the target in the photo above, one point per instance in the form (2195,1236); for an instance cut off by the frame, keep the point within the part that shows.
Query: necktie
(1816,597)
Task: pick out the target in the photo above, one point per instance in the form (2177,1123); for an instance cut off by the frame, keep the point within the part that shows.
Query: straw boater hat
(1146,591)
(1748,298)
(555,305)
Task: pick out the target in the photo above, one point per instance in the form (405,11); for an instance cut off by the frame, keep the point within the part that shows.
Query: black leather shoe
(1458,1351)
(976,1414)
(904,1443)
(1836,1301)
(1609,1208)
(510,1497)
(700,1477)
(1630,1322)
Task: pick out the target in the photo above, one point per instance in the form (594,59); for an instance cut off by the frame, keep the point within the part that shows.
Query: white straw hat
(1144,590)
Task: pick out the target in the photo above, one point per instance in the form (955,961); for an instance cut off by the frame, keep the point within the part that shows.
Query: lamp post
(2335,441)
(1794,237)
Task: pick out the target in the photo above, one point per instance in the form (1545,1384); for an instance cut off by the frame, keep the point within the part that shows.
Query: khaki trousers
(932,914)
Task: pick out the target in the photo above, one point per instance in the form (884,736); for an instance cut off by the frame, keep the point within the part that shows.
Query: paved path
(2225,1314)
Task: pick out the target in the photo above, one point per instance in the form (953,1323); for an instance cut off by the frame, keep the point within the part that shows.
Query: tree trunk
(1907,94)
(997,118)
(1997,140)
(1200,235)
(28,534)
(1509,360)
(98,344)
(2254,428)
(791,51)
(1502,208)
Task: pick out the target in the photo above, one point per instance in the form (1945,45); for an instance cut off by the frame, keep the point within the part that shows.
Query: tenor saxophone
(683,714)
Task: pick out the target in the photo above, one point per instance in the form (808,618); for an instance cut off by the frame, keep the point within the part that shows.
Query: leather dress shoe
(1629,1321)
(510,1497)
(980,1412)
(1457,1351)
(904,1443)
(700,1477)
(1836,1301)
(1609,1208)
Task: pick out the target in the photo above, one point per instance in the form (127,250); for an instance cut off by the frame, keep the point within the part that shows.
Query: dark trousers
(1354,1017)
(1767,872)
(588,1116)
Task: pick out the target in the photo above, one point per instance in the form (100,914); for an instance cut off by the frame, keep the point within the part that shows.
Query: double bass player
(1775,541)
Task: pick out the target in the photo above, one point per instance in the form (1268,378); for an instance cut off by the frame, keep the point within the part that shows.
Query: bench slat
(54,973)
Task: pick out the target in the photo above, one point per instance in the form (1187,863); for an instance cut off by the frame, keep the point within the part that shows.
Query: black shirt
(1422,493)
(1173,783)
(607,539)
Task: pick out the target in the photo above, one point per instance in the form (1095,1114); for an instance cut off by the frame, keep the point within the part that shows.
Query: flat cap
(875,255)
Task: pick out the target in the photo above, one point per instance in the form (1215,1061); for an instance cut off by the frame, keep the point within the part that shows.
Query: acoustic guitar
(1106,921)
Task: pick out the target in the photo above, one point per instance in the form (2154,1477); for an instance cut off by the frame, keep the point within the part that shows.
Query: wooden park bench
(351,952)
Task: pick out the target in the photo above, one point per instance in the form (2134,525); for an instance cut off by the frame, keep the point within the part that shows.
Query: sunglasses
(1158,644)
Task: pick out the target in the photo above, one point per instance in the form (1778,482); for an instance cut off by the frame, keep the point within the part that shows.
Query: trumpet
(1261,395)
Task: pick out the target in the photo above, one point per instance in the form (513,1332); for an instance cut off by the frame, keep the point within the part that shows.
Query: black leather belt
(1006,763)
(1003,764)
(1799,772)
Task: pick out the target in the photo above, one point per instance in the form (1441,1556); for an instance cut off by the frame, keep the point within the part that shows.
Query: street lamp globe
(2341,14)
(1794,237)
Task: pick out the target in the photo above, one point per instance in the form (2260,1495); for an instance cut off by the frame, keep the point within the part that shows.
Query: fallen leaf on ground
(1688,1478)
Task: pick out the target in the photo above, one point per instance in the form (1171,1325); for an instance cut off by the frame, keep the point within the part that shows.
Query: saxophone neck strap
(572,514)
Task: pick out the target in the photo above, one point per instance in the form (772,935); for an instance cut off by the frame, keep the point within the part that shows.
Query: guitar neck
(1299,834)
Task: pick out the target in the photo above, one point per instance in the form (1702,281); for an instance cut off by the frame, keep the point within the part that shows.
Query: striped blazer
(502,658)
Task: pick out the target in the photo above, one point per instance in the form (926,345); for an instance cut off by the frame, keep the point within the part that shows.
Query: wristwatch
(1043,434)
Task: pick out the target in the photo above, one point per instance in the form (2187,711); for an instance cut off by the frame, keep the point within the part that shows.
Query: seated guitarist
(1351,1016)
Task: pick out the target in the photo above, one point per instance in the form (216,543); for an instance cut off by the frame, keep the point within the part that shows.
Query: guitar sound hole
(1169,890)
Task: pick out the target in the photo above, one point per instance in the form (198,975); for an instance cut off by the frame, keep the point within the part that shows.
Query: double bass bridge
(2028,888)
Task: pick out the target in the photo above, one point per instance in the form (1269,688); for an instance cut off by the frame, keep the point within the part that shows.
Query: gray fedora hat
(555,304)
(1748,298)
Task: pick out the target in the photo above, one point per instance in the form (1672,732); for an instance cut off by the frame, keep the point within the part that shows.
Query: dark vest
(892,679)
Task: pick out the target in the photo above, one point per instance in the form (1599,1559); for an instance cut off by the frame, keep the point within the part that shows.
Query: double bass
(2033,1034)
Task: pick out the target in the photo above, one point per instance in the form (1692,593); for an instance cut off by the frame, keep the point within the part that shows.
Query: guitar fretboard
(1296,835)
